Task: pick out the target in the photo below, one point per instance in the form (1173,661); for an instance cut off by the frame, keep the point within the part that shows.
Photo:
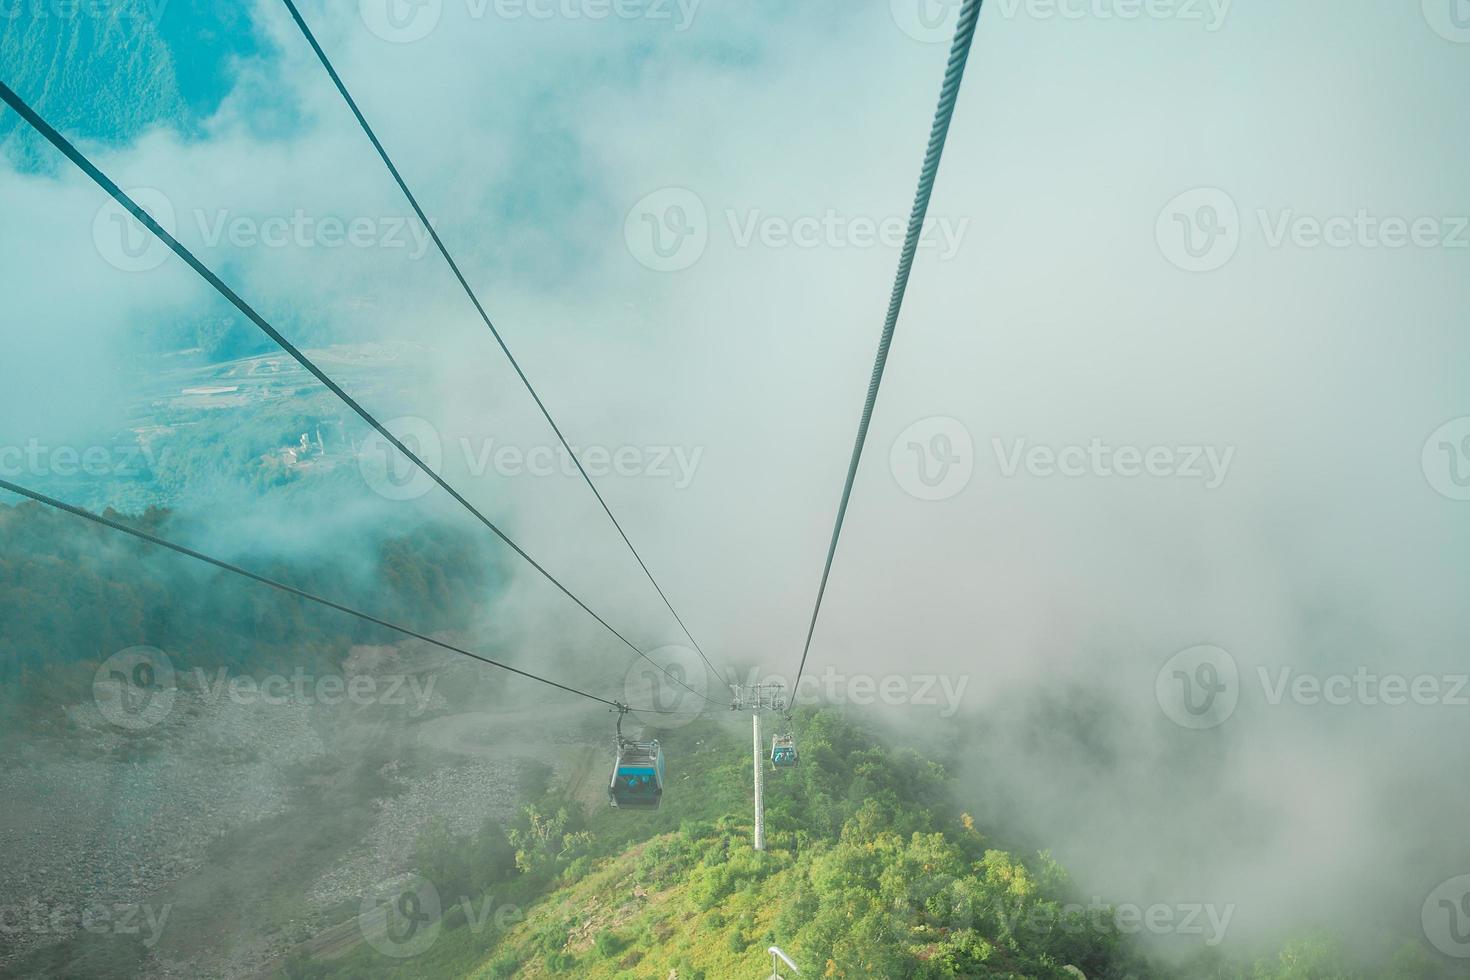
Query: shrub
(505,967)
(560,962)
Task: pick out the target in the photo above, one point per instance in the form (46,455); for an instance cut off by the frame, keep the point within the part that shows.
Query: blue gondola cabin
(638,777)
(783,751)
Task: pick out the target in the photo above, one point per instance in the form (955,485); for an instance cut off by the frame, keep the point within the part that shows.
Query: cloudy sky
(1182,361)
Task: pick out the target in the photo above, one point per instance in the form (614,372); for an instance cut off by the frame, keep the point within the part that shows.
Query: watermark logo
(1362,229)
(1207,464)
(137,688)
(1210,14)
(1446,459)
(671,690)
(933,459)
(1198,688)
(401,21)
(1446,917)
(36,458)
(304,230)
(388,471)
(943,691)
(832,229)
(1199,230)
(943,902)
(1204,921)
(98,918)
(124,242)
(309,690)
(934,21)
(668,230)
(406,21)
(134,688)
(402,919)
(929,21)
(1450,19)
(677,465)
(1363,687)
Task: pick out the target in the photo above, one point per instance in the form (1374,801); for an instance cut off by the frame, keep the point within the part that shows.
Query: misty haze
(684,489)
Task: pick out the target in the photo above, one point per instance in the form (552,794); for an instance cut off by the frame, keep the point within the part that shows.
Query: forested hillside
(72,594)
(108,71)
(868,873)
(872,869)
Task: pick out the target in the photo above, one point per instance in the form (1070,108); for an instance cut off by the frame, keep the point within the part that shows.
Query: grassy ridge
(868,873)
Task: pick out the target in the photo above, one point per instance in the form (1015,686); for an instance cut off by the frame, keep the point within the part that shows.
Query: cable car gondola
(638,774)
(783,751)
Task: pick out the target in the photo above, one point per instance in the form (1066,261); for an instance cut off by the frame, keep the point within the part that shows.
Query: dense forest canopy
(73,593)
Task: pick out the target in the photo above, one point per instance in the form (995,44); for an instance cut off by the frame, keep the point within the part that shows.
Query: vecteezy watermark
(942,691)
(124,242)
(930,21)
(670,229)
(1207,921)
(112,11)
(137,688)
(1446,917)
(403,917)
(667,687)
(1363,686)
(1450,19)
(1446,459)
(309,690)
(938,901)
(38,459)
(390,473)
(674,464)
(302,229)
(1198,687)
(833,230)
(933,21)
(1208,14)
(1201,230)
(98,918)
(1206,464)
(1201,687)
(934,458)
(406,21)
(667,230)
